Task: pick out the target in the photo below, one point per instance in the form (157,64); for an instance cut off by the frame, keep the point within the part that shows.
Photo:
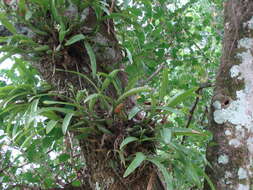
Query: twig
(204,116)
(153,74)
(112,6)
(194,106)
(203,54)
(79,78)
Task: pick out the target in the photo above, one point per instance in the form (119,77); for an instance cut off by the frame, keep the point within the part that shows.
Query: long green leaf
(34,106)
(186,132)
(192,174)
(51,124)
(7,89)
(181,97)
(66,122)
(92,59)
(104,130)
(41,48)
(164,86)
(133,112)
(4,103)
(96,96)
(6,56)
(32,114)
(51,115)
(49,102)
(81,75)
(91,97)
(49,109)
(109,79)
(139,158)
(132,92)
(211,185)
(127,141)
(27,141)
(118,86)
(166,134)
(166,175)
(62,34)
(85,130)
(129,55)
(75,39)
(45,3)
(55,12)
(5,21)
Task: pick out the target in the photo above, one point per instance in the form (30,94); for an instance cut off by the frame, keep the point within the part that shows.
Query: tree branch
(153,75)
(194,106)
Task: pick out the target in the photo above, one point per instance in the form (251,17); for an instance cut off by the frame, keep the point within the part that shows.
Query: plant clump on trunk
(74,48)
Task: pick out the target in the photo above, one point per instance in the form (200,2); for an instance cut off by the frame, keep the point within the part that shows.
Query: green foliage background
(184,37)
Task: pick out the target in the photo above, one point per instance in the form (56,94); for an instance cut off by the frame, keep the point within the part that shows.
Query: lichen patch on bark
(239,113)
(223,159)
(243,187)
(235,71)
(249,24)
(242,173)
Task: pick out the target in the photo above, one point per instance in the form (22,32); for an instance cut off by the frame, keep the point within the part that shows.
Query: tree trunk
(231,151)
(104,169)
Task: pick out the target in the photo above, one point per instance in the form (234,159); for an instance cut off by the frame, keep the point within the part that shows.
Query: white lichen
(240,132)
(238,127)
(227,25)
(245,43)
(223,159)
(249,24)
(97,186)
(228,174)
(217,105)
(243,187)
(250,144)
(235,71)
(235,143)
(228,132)
(242,173)
(228,182)
(235,113)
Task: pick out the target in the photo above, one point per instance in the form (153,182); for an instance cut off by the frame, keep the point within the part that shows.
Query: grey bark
(230,153)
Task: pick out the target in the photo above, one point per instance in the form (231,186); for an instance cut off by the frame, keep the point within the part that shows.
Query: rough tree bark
(231,152)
